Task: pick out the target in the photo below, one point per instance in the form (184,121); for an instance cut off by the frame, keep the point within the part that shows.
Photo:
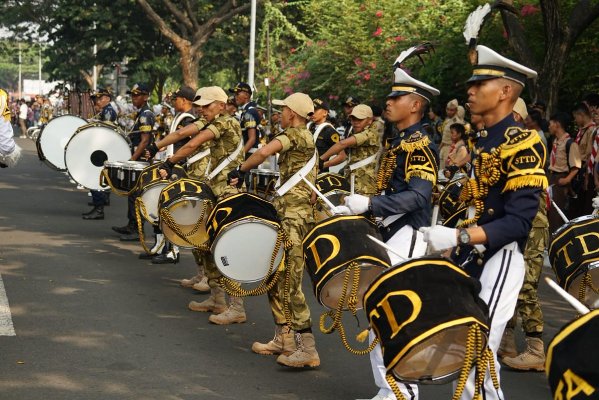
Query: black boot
(168,258)
(96,213)
(125,230)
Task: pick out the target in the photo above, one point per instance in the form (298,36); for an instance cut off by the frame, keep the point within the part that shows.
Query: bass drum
(151,185)
(53,139)
(431,323)
(90,147)
(574,256)
(335,188)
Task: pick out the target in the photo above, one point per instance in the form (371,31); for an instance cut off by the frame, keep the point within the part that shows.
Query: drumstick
(352,183)
(386,247)
(435,215)
(578,306)
(560,212)
(322,196)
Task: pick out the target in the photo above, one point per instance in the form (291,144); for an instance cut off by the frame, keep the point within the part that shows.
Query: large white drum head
(242,251)
(55,136)
(150,197)
(87,150)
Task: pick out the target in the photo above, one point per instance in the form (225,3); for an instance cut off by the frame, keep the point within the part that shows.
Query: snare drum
(90,147)
(262,182)
(334,187)
(54,137)
(453,210)
(244,231)
(423,311)
(150,186)
(122,176)
(184,208)
(574,256)
(335,245)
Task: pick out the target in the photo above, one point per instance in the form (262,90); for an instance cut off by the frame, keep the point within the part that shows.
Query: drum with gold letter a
(334,187)
(574,256)
(184,208)
(431,324)
(337,250)
(571,363)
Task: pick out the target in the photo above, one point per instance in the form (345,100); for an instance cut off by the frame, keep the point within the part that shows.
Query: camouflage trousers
(528,306)
(365,180)
(295,226)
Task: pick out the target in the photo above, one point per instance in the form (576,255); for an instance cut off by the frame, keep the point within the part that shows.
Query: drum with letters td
(246,238)
(150,186)
(574,256)
(184,206)
(425,312)
(335,188)
(335,245)
(453,210)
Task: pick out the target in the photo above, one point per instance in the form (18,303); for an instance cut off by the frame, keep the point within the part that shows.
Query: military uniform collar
(248,105)
(407,132)
(490,137)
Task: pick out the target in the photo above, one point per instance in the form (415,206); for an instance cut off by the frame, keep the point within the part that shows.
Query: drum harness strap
(180,117)
(352,272)
(363,163)
(297,177)
(320,128)
(197,157)
(226,161)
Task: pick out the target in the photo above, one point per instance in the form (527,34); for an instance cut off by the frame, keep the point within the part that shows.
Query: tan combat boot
(215,303)
(305,355)
(282,343)
(234,314)
(532,359)
(187,283)
(507,347)
(202,285)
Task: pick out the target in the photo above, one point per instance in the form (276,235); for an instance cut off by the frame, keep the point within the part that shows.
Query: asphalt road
(94,322)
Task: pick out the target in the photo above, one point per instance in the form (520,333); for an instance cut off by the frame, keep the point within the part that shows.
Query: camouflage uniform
(227,136)
(368,144)
(528,301)
(295,212)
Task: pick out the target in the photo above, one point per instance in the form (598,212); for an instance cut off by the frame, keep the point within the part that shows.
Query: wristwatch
(464,236)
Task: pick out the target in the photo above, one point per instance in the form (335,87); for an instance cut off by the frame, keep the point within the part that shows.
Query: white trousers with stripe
(501,282)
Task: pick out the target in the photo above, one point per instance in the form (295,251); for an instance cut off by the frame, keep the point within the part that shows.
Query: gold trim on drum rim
(361,258)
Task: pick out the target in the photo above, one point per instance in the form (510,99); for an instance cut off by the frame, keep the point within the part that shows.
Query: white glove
(357,203)
(596,202)
(440,237)
(341,210)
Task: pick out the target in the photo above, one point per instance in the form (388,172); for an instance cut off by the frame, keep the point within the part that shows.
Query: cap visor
(203,102)
(279,102)
(232,90)
(476,78)
(398,93)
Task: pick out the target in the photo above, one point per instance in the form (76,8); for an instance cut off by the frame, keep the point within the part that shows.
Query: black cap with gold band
(492,65)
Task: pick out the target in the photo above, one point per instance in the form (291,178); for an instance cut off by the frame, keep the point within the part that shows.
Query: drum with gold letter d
(431,324)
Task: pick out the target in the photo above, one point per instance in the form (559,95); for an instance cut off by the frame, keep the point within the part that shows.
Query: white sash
(320,128)
(363,163)
(295,178)
(226,161)
(170,149)
(198,157)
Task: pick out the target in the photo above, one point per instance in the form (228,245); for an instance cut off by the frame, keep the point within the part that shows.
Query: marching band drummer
(182,101)
(508,179)
(10,152)
(226,152)
(363,145)
(140,137)
(294,344)
(105,113)
(407,173)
